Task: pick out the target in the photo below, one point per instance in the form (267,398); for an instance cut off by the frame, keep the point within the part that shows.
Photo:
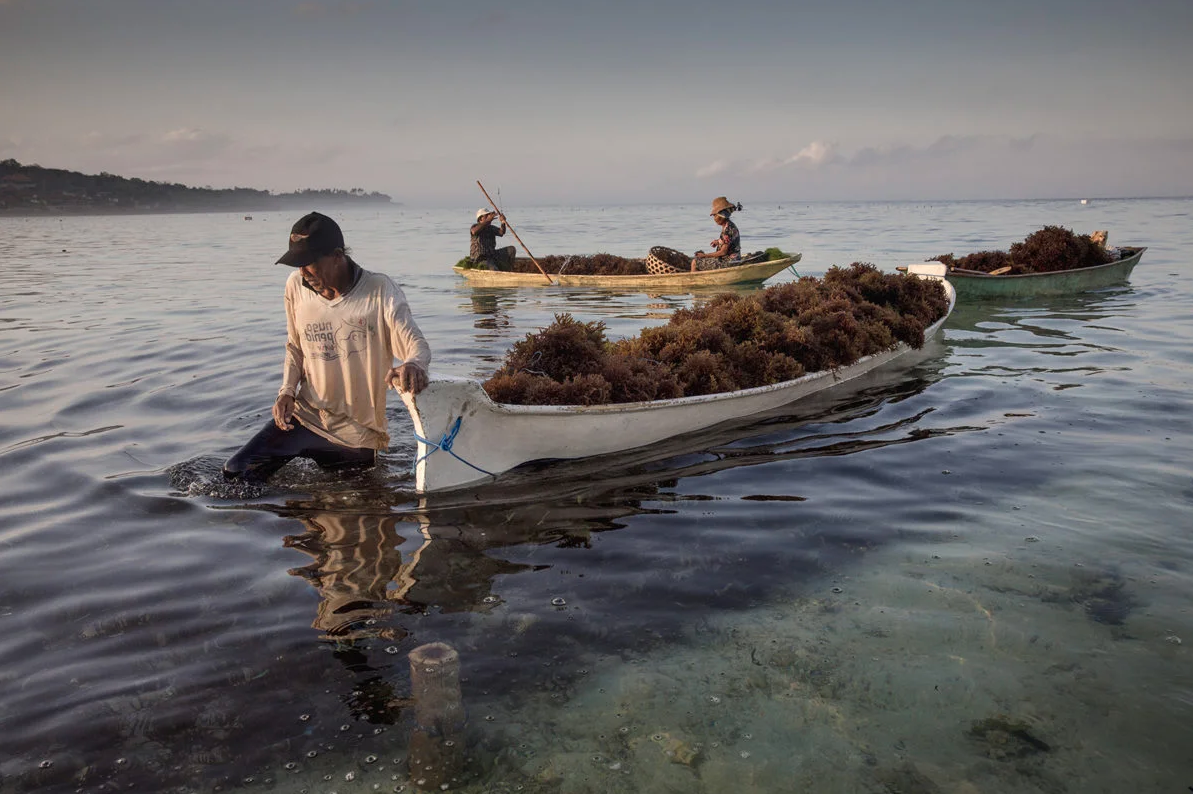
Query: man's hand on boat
(283,409)
(409,377)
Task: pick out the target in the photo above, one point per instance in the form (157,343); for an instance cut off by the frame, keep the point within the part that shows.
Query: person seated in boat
(345,326)
(484,250)
(1100,237)
(726,248)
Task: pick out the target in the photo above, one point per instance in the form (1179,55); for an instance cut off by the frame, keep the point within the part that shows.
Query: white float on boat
(464,438)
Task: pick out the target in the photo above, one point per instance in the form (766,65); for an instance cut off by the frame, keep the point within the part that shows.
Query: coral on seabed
(727,343)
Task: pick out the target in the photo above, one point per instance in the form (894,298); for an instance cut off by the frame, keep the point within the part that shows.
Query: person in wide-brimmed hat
(727,247)
(483,249)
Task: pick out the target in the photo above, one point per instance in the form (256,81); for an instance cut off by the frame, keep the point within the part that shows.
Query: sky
(583,103)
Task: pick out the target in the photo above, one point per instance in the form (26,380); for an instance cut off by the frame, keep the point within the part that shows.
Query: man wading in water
(345,325)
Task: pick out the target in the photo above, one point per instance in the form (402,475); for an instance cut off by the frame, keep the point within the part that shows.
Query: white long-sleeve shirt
(339,351)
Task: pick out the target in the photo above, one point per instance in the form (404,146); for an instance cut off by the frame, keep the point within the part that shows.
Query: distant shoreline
(32,191)
(71,212)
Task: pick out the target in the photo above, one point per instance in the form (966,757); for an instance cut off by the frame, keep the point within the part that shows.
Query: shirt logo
(329,341)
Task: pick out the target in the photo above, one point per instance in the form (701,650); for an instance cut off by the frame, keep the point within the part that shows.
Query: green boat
(972,285)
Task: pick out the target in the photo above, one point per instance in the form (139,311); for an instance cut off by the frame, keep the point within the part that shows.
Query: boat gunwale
(1137,252)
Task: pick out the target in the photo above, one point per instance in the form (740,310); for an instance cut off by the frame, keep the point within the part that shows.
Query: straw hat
(721,203)
(482,212)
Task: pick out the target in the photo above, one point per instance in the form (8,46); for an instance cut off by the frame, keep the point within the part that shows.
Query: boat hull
(1064,282)
(756,272)
(464,438)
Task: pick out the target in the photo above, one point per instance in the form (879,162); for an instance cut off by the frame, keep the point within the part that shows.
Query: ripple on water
(804,599)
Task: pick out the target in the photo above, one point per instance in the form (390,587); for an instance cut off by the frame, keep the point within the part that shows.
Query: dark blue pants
(272,448)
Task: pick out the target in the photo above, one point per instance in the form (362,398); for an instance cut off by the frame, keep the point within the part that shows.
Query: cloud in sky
(824,154)
(814,154)
(712,169)
(331,8)
(995,166)
(187,143)
(145,150)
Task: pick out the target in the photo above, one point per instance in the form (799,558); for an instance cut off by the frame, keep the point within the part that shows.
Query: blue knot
(445,444)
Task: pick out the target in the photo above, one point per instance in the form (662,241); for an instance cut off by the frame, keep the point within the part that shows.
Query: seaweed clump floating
(728,343)
(1048,250)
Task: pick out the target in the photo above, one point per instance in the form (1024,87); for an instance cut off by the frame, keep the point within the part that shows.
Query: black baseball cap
(313,236)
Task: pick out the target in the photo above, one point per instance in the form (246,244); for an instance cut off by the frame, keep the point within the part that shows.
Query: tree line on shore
(34,189)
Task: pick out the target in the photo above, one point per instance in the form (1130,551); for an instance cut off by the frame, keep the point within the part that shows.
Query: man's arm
(292,369)
(407,342)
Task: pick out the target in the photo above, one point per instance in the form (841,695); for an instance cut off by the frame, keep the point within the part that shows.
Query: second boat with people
(662,268)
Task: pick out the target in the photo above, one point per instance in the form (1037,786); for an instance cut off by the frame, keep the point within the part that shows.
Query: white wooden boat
(464,438)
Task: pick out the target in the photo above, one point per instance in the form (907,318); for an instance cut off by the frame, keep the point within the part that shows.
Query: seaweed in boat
(1056,248)
(986,261)
(1047,250)
(583,265)
(727,343)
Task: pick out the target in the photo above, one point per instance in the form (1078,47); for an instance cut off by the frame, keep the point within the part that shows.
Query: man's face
(319,273)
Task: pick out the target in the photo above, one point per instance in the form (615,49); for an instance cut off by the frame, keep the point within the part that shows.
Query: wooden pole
(512,229)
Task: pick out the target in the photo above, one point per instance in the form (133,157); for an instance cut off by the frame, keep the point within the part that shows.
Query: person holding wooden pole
(483,249)
(512,229)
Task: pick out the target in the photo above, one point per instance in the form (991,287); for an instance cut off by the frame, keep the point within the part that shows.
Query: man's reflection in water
(367,570)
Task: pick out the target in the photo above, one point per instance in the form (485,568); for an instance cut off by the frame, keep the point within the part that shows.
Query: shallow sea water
(969,573)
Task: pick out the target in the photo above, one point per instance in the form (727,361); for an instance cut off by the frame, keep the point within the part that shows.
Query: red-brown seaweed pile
(580,265)
(1045,251)
(610,265)
(727,343)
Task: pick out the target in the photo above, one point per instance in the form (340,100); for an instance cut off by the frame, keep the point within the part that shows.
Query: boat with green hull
(972,285)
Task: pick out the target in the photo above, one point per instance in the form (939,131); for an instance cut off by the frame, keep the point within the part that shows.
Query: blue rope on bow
(793,270)
(445,444)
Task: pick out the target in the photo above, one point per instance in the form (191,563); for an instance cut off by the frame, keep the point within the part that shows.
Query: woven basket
(662,261)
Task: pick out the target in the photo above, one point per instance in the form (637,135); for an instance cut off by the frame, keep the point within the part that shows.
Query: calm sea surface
(971,574)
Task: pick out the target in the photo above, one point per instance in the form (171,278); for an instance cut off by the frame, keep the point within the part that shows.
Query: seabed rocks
(923,675)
